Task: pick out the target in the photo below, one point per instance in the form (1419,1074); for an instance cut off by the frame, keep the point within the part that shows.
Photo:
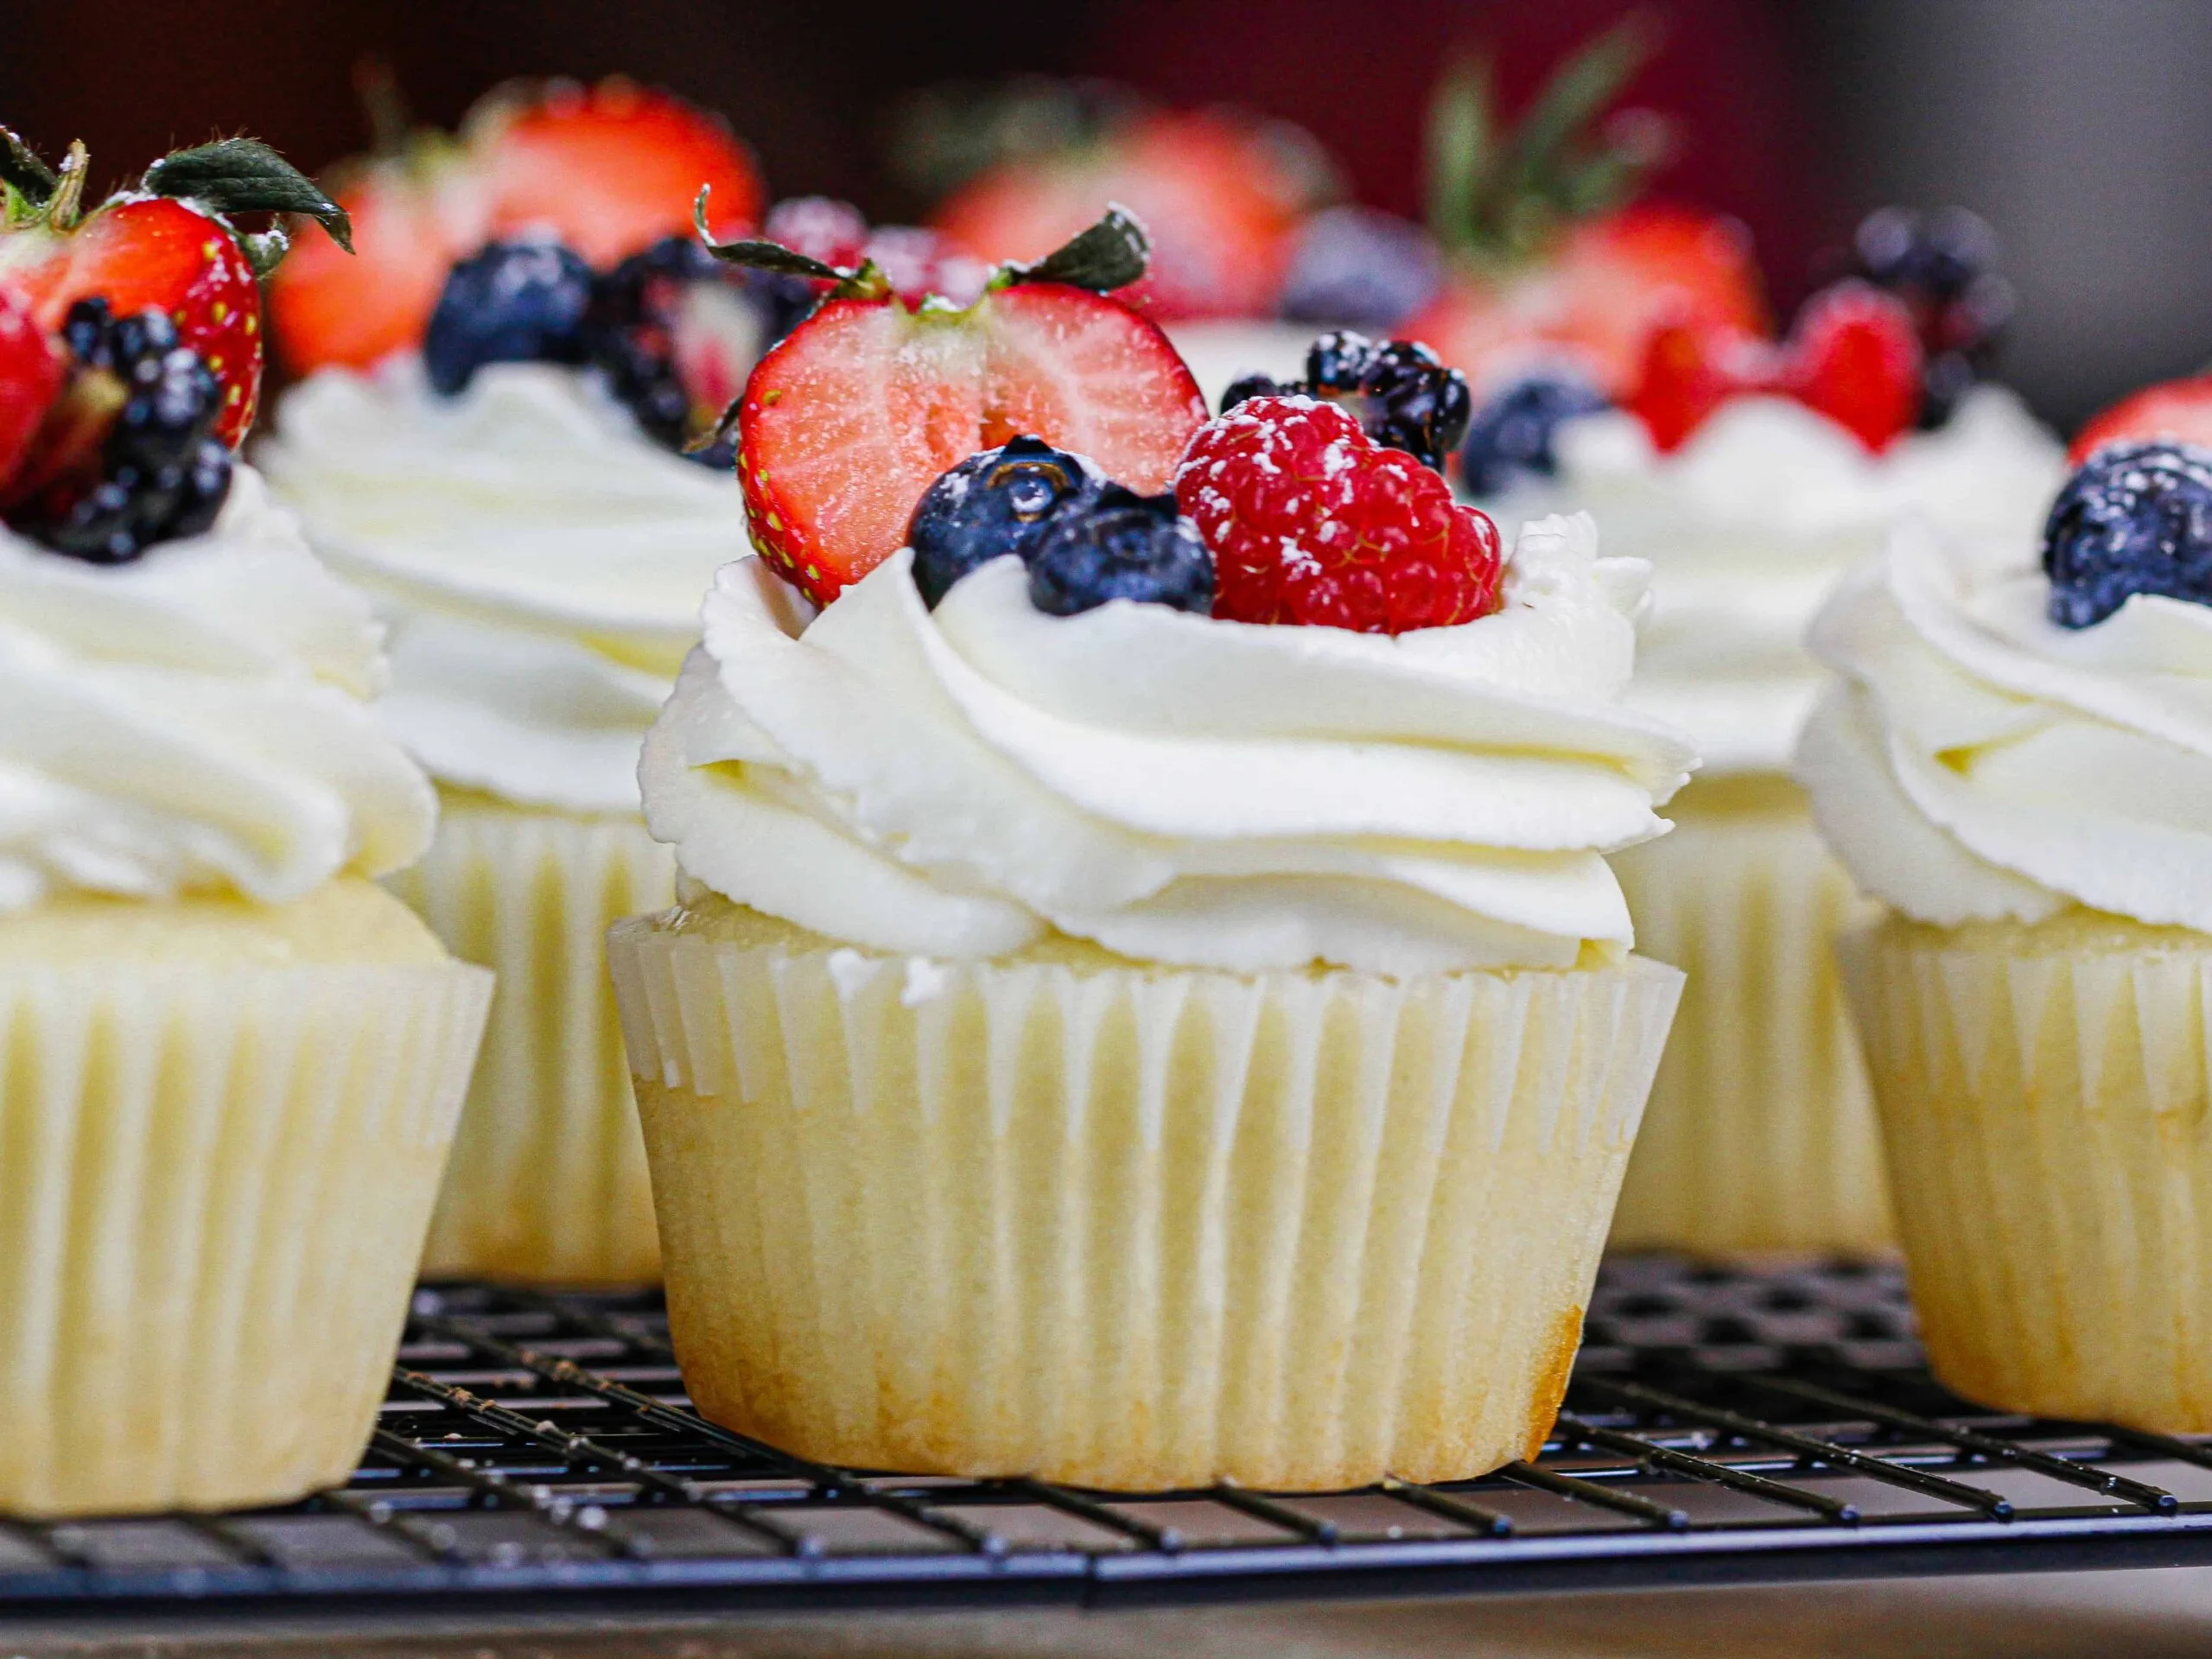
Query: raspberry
(1311,522)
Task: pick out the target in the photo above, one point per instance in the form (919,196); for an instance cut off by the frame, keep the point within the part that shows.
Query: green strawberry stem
(244,175)
(1110,254)
(1498,196)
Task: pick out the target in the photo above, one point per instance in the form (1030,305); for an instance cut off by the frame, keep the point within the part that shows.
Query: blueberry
(1254,385)
(2136,518)
(1512,433)
(996,502)
(508,303)
(1943,265)
(1356,265)
(1119,544)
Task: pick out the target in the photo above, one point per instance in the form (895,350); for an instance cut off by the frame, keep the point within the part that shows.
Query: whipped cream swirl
(1750,523)
(195,721)
(539,561)
(1976,762)
(967,781)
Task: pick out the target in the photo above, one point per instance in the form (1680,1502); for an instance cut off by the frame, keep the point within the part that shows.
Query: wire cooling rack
(1721,1425)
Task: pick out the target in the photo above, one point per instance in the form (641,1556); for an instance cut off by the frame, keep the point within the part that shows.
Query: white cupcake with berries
(2015,757)
(1752,474)
(493,436)
(1149,1005)
(234,1062)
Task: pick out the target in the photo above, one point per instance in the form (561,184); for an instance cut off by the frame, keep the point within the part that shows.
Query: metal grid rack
(1721,1425)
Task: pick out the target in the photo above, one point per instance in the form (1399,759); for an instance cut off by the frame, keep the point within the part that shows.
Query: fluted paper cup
(1761,1135)
(548,1179)
(2044,1098)
(214,1182)
(1124,1226)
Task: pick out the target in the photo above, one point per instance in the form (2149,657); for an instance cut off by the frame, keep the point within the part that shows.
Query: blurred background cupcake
(234,1061)
(2015,758)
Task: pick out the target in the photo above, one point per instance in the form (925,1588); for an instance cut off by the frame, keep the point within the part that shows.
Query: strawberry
(1688,371)
(30,380)
(1312,522)
(165,247)
(846,422)
(2178,410)
(610,169)
(1221,197)
(1854,355)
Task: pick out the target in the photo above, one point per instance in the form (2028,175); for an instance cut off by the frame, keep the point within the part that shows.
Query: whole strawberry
(1312,521)
(167,246)
(31,378)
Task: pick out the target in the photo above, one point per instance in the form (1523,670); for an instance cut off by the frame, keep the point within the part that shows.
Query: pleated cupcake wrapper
(548,1178)
(213,1188)
(1761,1134)
(1134,1230)
(2050,1149)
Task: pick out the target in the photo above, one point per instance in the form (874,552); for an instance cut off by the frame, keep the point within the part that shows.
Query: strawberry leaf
(1111,254)
(755,253)
(23,173)
(244,175)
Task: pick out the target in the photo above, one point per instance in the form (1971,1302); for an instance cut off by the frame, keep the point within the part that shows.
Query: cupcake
(1752,475)
(234,1061)
(1123,1023)
(2015,761)
(492,446)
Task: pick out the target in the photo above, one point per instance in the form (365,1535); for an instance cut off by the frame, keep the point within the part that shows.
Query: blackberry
(1356,265)
(2136,518)
(1255,385)
(629,336)
(996,502)
(162,474)
(1511,434)
(1118,544)
(507,303)
(1943,265)
(1399,391)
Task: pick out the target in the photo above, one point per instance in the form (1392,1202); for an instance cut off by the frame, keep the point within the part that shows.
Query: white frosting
(1220,351)
(1177,788)
(540,562)
(195,721)
(1750,522)
(1979,762)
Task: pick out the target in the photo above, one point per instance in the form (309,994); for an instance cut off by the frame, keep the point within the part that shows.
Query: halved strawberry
(166,246)
(2176,409)
(31,378)
(1220,195)
(610,168)
(846,422)
(1854,355)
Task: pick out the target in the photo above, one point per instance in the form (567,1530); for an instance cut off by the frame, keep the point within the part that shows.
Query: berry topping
(1117,545)
(1855,357)
(507,303)
(165,247)
(131,457)
(917,263)
(1397,390)
(996,502)
(669,330)
(1942,266)
(2177,409)
(2136,518)
(846,422)
(608,171)
(1311,522)
(31,378)
(1357,266)
(1511,435)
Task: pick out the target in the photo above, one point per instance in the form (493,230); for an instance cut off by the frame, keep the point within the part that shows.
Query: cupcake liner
(1760,1136)
(213,1187)
(548,1180)
(2049,1128)
(1127,1226)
